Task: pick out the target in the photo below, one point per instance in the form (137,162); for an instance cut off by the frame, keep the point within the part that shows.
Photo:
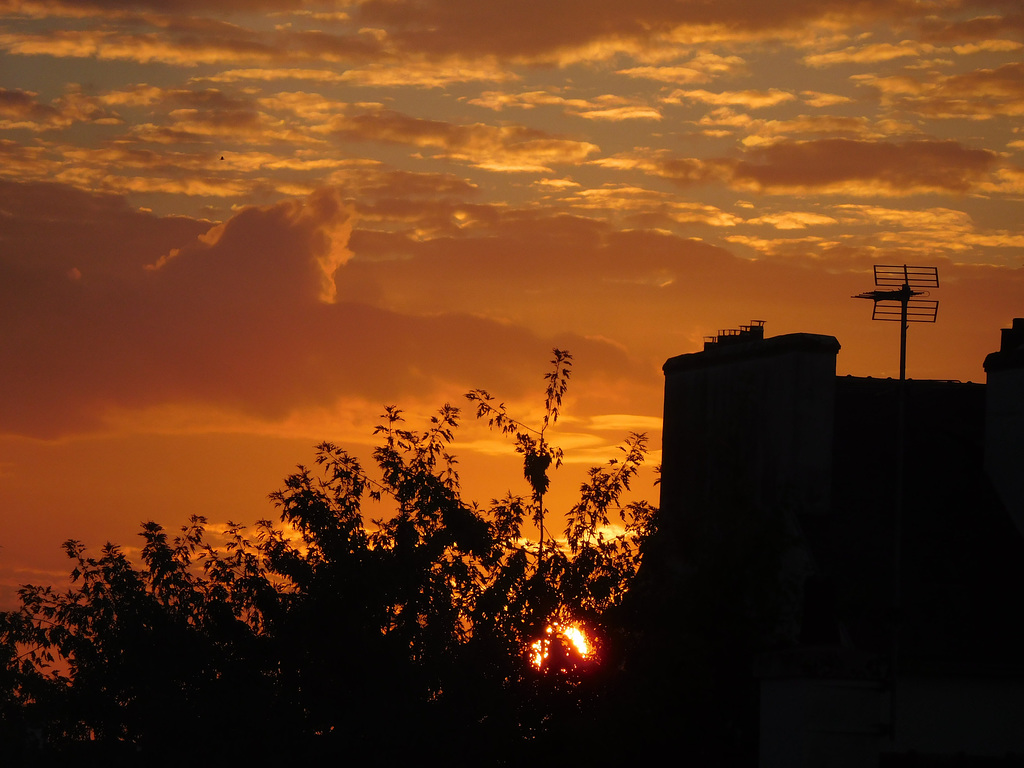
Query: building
(894,628)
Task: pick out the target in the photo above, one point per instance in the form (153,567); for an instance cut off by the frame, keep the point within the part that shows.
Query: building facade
(895,514)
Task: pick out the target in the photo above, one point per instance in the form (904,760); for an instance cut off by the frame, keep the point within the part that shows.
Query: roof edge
(776,345)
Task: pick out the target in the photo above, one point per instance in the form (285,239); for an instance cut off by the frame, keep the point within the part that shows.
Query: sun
(563,647)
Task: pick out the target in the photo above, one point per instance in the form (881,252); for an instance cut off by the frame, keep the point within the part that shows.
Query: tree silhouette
(385,639)
(537,453)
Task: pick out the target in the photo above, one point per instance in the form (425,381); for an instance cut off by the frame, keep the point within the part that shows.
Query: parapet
(749,342)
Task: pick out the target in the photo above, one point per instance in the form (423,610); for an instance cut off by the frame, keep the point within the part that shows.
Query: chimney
(1013,337)
(1004,420)
(745,333)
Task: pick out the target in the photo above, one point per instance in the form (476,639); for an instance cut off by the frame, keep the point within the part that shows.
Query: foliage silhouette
(537,454)
(383,640)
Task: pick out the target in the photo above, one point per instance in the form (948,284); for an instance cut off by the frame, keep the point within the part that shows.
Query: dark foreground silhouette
(406,638)
(333,635)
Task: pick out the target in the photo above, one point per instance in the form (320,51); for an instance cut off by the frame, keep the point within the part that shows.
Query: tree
(332,632)
(537,453)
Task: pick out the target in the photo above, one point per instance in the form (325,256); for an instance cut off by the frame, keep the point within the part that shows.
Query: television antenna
(903,302)
(898,297)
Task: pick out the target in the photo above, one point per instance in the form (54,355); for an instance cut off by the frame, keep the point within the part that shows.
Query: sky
(231,229)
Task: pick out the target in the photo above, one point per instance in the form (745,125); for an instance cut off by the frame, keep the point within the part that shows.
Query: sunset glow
(230,230)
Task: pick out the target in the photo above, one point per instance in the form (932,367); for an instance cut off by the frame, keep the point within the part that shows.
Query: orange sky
(227,235)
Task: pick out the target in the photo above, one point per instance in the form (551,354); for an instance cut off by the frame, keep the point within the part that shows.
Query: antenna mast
(901,302)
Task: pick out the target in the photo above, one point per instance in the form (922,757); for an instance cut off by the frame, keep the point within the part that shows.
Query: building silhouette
(890,612)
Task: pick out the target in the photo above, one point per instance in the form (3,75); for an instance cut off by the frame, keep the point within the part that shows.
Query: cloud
(793,220)
(142,48)
(832,166)
(50,229)
(209,116)
(426,73)
(390,73)
(871,53)
(403,72)
(677,75)
(117,7)
(645,207)
(21,110)
(185,40)
(584,274)
(25,162)
(606,107)
(499,148)
(751,99)
(980,94)
(269,74)
(988,46)
(617,114)
(985,27)
(845,166)
(542,270)
(700,69)
(435,43)
(946,219)
(139,95)
(97,179)
(238,317)
(551,31)
(818,99)
(770,131)
(928,232)
(847,233)
(148,160)
(161,170)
